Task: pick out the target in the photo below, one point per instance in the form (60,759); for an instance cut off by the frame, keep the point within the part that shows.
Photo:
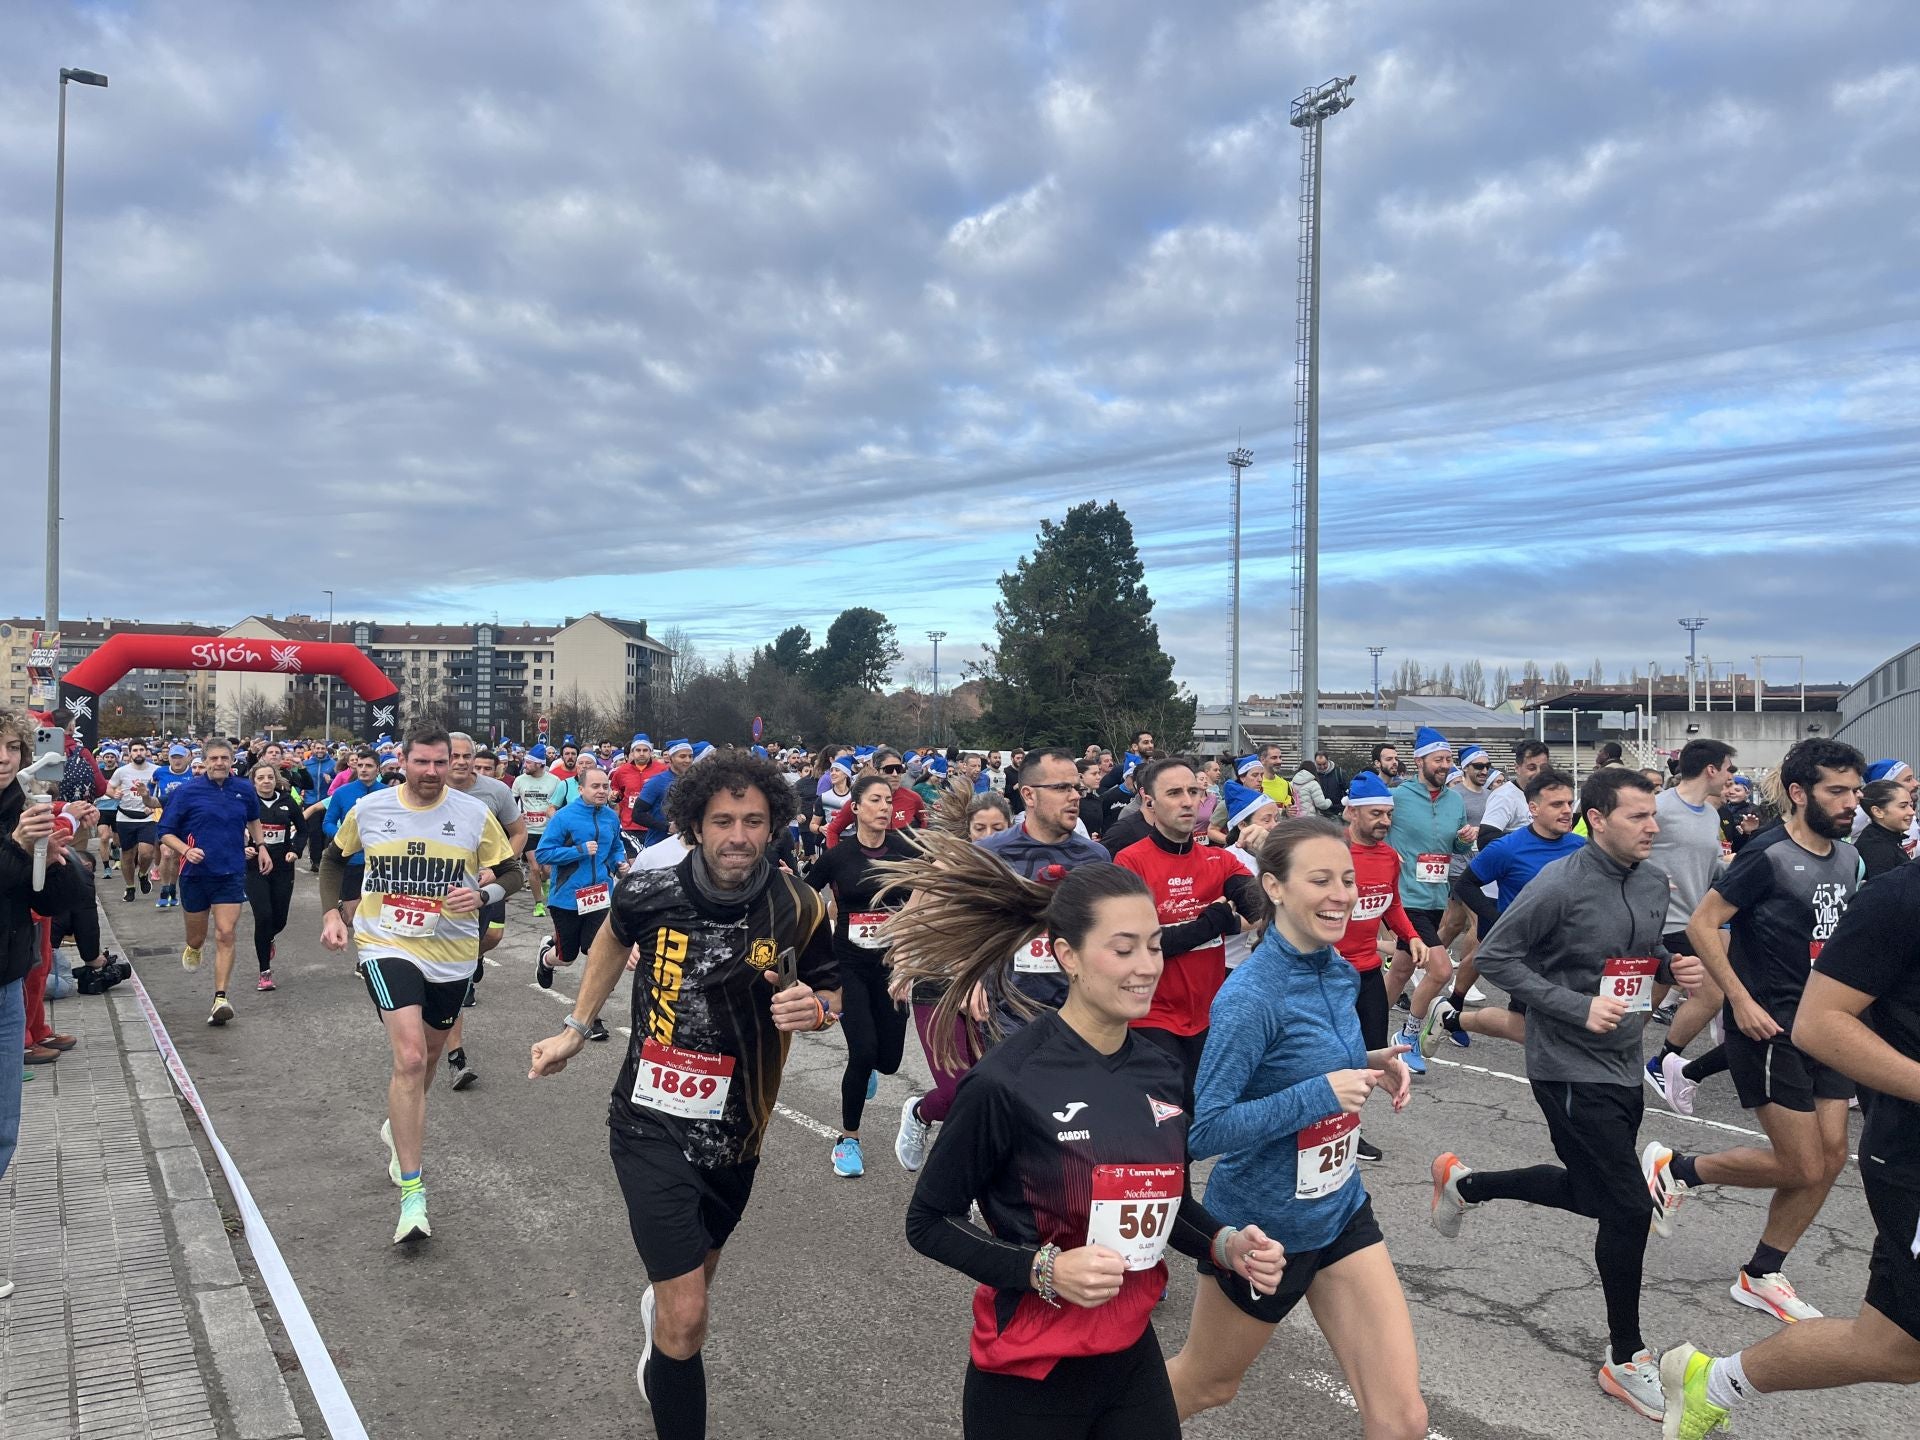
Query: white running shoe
(1772,1295)
(1666,1189)
(910,1144)
(647,1305)
(1680,1090)
(1449,1209)
(393,1155)
(1637,1384)
(1475,995)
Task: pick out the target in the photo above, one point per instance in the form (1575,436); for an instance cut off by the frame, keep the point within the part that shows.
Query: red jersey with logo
(908,807)
(1183,883)
(1376,871)
(627,780)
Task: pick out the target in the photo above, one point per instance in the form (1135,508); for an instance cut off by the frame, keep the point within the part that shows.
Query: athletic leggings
(1125,1396)
(936,1102)
(876,1029)
(1594,1129)
(573,932)
(271,896)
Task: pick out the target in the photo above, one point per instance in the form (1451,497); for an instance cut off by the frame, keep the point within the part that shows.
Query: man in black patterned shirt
(734,956)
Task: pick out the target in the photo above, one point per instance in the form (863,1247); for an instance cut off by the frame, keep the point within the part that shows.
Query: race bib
(273,834)
(589,899)
(863,929)
(1133,1211)
(1630,979)
(409,917)
(1328,1153)
(688,1083)
(1431,869)
(1036,958)
(1372,905)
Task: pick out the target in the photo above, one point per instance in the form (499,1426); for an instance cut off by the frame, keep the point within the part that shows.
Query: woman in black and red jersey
(1071,1136)
(874,1023)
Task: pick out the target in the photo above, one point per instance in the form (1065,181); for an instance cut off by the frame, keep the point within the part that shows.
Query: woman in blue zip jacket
(581,847)
(1278,1099)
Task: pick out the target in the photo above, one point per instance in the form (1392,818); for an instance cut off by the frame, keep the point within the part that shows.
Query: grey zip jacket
(1550,950)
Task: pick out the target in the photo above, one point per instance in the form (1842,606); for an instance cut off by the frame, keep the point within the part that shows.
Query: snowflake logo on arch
(286,658)
(80,707)
(383,714)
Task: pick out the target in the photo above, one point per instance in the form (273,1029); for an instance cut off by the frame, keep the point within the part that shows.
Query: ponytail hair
(969,915)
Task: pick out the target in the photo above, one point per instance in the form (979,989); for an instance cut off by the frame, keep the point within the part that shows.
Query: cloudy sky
(732,315)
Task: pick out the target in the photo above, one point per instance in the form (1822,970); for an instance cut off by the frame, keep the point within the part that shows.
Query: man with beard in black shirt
(717,935)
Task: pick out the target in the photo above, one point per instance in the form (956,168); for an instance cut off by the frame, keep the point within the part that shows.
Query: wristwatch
(579,1027)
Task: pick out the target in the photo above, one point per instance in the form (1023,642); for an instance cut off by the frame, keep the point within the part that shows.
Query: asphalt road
(520,1316)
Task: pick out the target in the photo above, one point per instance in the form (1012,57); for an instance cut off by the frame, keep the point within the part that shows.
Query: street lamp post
(936,636)
(1693,627)
(83,77)
(327,724)
(1376,651)
(1238,461)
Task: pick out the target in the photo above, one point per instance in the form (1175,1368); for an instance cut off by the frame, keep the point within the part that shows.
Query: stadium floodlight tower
(1693,626)
(1310,111)
(1237,461)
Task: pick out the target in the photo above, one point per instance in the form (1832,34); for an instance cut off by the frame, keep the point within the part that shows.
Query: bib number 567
(1144,1221)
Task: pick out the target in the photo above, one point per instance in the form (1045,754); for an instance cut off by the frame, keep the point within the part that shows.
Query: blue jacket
(1282,1022)
(560,849)
(213,818)
(337,807)
(651,808)
(1423,824)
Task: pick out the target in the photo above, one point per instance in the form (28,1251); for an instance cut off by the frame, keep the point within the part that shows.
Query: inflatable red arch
(82,687)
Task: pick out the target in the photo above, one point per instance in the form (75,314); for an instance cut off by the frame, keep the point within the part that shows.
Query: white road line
(806,1122)
(1664,1113)
(566,1000)
(1329,1385)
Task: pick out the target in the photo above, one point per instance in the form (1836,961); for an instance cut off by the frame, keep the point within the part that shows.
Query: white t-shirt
(132,806)
(664,856)
(1507,809)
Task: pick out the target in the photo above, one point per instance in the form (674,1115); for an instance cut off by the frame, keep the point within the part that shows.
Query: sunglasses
(893,769)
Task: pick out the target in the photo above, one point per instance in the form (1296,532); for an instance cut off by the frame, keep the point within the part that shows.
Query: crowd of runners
(1116,965)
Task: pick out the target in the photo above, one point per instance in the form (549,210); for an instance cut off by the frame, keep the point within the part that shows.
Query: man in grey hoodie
(1582,948)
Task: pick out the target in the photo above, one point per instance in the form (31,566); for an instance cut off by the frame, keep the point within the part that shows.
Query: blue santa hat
(701,749)
(568,740)
(761,751)
(1473,755)
(538,752)
(1888,770)
(1428,741)
(938,765)
(640,738)
(1241,801)
(677,745)
(1368,789)
(1246,763)
(843,765)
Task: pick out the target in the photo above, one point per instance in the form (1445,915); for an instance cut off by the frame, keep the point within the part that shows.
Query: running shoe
(596,1031)
(413,1219)
(1449,1209)
(1637,1383)
(847,1163)
(1435,1025)
(1656,1079)
(647,1309)
(127,899)
(1772,1295)
(1679,1090)
(146,885)
(463,1073)
(540,910)
(1683,1380)
(1663,1015)
(161,903)
(221,1011)
(910,1144)
(6,1289)
(1475,995)
(1415,1061)
(1403,1001)
(1667,1190)
(873,1083)
(393,1155)
(1368,1151)
(266,981)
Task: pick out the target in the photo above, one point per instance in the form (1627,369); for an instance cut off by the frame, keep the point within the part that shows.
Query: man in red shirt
(629,776)
(1376,874)
(1196,889)
(908,808)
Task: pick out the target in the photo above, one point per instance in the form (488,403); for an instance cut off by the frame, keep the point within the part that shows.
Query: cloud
(735,315)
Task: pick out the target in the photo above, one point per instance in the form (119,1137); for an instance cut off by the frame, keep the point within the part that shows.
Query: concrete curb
(238,1356)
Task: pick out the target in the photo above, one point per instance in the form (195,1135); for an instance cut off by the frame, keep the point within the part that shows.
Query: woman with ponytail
(1071,1138)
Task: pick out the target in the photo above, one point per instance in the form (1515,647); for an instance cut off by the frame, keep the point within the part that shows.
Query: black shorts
(395,984)
(1122,1396)
(137,832)
(493,917)
(1302,1265)
(679,1213)
(1677,943)
(1595,1130)
(1772,1072)
(1371,1005)
(1426,924)
(1893,1274)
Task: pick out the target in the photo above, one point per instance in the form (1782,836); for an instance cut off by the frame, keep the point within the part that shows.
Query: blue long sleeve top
(1283,1021)
(341,801)
(562,850)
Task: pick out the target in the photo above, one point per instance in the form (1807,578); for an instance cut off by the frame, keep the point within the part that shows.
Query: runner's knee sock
(1727,1383)
(1766,1261)
(677,1391)
(1712,1063)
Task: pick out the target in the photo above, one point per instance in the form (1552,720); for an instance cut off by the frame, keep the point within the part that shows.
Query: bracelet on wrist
(1222,1242)
(1043,1274)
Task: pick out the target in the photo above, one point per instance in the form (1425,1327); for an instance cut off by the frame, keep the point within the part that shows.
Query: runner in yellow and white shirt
(434,858)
